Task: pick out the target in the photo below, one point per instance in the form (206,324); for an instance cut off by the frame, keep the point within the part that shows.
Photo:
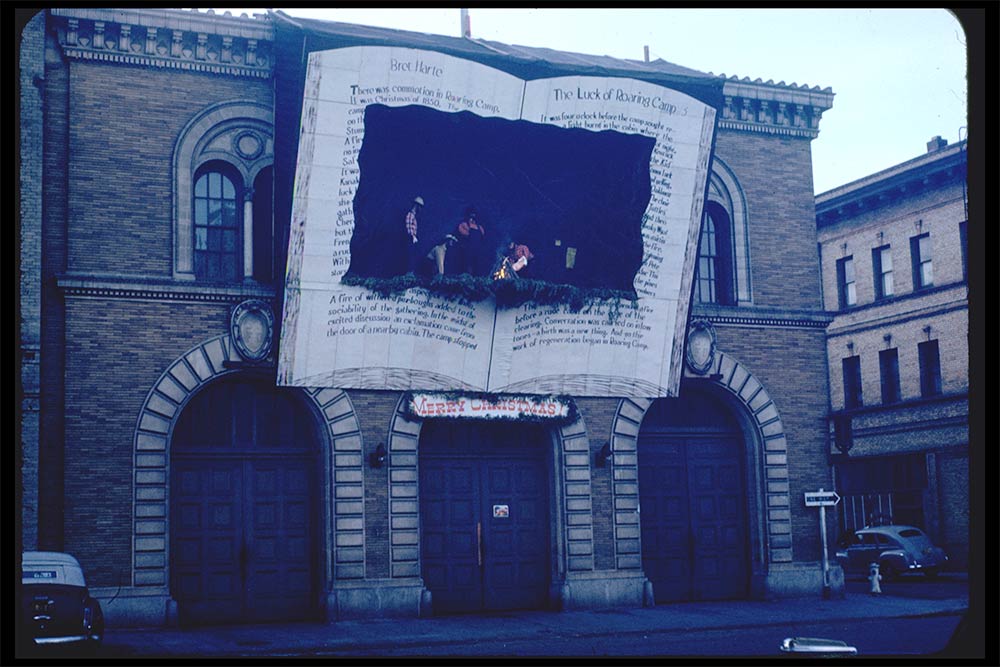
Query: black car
(897,549)
(57,607)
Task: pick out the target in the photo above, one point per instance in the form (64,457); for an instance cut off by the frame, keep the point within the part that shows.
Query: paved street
(914,616)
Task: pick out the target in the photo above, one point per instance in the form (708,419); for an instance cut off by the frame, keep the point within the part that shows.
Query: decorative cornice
(933,170)
(168,39)
(760,128)
(759,322)
(756,316)
(153,290)
(773,108)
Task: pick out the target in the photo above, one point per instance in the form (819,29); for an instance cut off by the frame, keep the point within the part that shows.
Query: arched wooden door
(243,506)
(692,501)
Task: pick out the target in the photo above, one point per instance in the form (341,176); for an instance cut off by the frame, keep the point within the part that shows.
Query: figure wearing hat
(411,234)
(434,262)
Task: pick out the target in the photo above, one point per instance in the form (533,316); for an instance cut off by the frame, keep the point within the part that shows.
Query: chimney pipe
(936,143)
(466,24)
(645,51)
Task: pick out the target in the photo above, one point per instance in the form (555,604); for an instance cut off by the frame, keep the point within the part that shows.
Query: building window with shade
(846,287)
(923,269)
(882,272)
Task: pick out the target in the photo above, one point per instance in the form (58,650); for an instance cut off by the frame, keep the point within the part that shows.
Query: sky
(898,75)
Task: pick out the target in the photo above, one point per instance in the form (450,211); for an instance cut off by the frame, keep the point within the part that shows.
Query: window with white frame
(882,271)
(923,268)
(846,288)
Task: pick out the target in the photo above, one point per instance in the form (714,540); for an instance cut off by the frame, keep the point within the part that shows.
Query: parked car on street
(56,605)
(897,550)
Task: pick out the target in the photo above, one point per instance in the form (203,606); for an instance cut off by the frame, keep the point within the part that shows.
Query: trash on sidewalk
(817,646)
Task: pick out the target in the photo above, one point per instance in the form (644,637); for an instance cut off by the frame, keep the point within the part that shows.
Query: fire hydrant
(874,577)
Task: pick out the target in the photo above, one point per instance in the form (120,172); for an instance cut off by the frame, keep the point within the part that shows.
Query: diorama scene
(460,195)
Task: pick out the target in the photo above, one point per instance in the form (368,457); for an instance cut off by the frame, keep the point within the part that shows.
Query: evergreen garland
(466,289)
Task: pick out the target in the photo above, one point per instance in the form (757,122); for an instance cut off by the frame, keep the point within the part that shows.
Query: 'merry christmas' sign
(424,405)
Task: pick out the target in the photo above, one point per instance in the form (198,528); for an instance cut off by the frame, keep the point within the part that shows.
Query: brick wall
(374,410)
(938,427)
(776,176)
(598,414)
(54,189)
(108,210)
(122,166)
(30,133)
(791,365)
(115,352)
(953,509)
(937,211)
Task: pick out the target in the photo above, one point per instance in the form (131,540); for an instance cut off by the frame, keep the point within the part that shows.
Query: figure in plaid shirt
(411,234)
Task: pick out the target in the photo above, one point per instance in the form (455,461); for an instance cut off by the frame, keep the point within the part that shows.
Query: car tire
(932,572)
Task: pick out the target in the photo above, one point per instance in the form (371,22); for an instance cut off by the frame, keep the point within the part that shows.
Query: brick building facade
(126,112)
(893,250)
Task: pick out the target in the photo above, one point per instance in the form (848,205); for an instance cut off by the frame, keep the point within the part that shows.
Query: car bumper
(916,567)
(68,639)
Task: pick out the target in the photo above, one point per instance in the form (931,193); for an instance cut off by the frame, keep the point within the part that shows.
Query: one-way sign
(821,498)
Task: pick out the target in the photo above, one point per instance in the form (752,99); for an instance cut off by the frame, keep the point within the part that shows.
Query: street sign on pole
(821,498)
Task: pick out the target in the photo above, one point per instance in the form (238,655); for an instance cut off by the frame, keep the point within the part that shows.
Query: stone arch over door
(340,443)
(767,475)
(572,510)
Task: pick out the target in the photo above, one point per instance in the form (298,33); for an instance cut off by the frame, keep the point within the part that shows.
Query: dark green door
(243,507)
(484,510)
(692,500)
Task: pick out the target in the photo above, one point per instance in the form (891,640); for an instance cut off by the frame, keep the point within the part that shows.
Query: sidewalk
(366,636)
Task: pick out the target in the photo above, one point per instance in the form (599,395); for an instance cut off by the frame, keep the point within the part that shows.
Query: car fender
(896,557)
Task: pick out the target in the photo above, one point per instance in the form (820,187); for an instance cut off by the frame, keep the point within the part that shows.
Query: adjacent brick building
(893,250)
(157,434)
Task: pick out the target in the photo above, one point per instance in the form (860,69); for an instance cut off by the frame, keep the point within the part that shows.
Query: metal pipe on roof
(466,24)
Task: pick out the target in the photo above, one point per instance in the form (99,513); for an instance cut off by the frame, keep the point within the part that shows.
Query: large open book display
(348,336)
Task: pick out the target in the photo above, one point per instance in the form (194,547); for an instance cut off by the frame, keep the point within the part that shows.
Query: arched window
(218,242)
(222,205)
(714,272)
